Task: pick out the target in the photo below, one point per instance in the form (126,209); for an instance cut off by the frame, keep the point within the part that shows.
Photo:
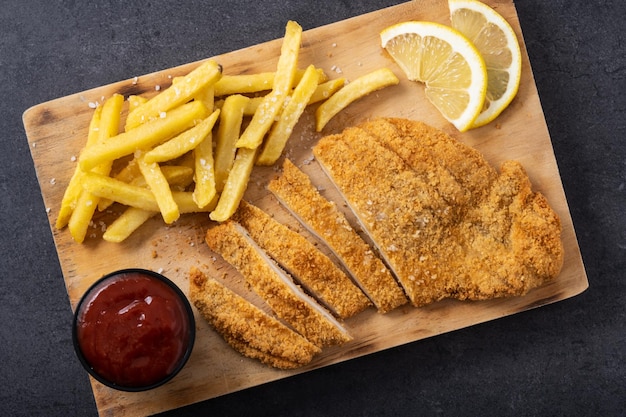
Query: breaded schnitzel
(448,224)
(301,259)
(285,298)
(247,328)
(296,192)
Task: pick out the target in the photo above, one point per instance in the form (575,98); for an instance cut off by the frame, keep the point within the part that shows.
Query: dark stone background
(563,359)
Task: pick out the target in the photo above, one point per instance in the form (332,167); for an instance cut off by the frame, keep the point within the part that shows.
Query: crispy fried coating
(314,270)
(246,328)
(286,299)
(448,224)
(296,192)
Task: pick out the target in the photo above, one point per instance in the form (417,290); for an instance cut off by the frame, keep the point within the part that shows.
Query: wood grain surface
(57,131)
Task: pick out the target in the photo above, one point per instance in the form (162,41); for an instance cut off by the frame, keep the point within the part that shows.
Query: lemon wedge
(450,66)
(497,43)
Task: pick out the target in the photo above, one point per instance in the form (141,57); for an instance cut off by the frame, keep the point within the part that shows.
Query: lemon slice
(449,65)
(495,39)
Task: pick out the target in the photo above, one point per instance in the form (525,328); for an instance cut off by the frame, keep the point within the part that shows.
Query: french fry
(228,132)
(74,188)
(126,224)
(244,84)
(207,97)
(187,204)
(272,103)
(177,175)
(144,136)
(109,127)
(161,189)
(132,218)
(204,176)
(87,203)
(327,89)
(254,83)
(355,90)
(134,196)
(121,192)
(235,186)
(182,143)
(135,101)
(205,75)
(281,130)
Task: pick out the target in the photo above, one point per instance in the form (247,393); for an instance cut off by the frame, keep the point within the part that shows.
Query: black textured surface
(563,359)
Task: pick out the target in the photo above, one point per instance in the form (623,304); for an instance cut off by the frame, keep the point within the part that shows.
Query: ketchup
(134,329)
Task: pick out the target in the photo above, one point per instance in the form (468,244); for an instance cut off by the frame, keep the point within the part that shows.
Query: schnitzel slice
(439,246)
(285,298)
(245,327)
(300,258)
(295,191)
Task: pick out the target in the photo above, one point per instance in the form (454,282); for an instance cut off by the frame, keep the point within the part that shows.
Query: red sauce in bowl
(134,330)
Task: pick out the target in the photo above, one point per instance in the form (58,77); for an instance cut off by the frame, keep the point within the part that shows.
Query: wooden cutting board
(57,130)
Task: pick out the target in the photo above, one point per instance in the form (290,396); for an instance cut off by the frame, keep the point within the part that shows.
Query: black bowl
(133,330)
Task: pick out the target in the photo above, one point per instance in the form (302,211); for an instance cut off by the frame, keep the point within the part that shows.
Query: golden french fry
(177,175)
(133,218)
(327,89)
(110,118)
(244,84)
(121,192)
(161,189)
(204,176)
(228,132)
(74,188)
(134,196)
(182,143)
(207,96)
(135,101)
(109,127)
(187,204)
(272,103)
(87,203)
(81,216)
(235,185)
(355,90)
(254,83)
(252,106)
(145,136)
(126,224)
(205,75)
(275,143)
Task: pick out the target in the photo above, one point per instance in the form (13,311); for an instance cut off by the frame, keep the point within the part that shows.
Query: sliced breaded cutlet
(294,190)
(269,281)
(303,261)
(247,328)
(446,222)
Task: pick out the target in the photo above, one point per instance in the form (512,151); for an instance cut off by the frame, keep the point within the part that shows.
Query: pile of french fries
(185,149)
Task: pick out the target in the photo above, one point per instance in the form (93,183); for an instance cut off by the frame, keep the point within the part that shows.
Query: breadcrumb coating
(314,270)
(246,328)
(296,192)
(448,224)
